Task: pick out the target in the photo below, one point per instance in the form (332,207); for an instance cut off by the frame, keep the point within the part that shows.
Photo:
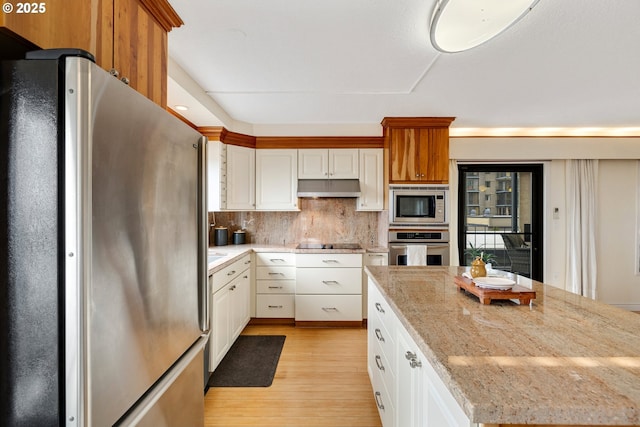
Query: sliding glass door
(500,215)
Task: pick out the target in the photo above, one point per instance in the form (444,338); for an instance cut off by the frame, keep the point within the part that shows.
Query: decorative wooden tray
(524,295)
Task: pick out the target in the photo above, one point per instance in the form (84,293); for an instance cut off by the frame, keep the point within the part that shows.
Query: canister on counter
(221,235)
(239,237)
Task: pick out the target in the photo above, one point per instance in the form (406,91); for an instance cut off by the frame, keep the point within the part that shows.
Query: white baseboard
(629,307)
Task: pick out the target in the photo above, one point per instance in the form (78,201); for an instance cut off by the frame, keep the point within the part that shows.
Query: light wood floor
(321,380)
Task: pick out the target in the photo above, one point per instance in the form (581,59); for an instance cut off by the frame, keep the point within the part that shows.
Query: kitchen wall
(618,189)
(333,220)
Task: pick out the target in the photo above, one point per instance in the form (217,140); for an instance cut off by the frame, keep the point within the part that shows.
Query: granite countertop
(563,359)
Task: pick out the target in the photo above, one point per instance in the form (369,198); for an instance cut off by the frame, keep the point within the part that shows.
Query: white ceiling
(273,65)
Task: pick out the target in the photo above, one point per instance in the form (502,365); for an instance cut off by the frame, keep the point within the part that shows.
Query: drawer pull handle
(379,307)
(247,262)
(379,400)
(232,288)
(330,261)
(276,274)
(275,287)
(330,282)
(231,273)
(276,260)
(379,335)
(329,309)
(379,363)
(274,306)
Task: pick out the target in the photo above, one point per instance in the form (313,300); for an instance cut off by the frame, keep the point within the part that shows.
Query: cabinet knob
(114,72)
(125,81)
(417,175)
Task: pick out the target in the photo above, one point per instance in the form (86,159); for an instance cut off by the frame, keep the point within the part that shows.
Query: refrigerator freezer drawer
(177,399)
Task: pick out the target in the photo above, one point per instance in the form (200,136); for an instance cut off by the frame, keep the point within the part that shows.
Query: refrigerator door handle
(203,241)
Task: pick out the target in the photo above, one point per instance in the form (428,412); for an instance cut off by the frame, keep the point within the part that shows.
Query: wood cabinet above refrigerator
(418,149)
(129,36)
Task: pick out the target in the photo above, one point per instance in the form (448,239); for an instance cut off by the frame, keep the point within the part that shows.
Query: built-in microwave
(418,205)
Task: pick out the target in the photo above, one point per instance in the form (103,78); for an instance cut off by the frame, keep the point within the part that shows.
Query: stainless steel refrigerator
(103,299)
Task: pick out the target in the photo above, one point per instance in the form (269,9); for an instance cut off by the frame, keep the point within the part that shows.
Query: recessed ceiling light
(181,107)
(458,25)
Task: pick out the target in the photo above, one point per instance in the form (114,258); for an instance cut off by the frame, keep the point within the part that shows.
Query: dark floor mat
(251,362)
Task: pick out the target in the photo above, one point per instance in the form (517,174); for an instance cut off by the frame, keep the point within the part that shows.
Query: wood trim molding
(162,11)
(416,122)
(239,139)
(177,115)
(211,132)
(319,142)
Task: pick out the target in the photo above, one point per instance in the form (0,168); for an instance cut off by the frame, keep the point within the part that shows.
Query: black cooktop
(329,246)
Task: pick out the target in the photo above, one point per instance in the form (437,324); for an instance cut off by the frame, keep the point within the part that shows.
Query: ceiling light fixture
(458,25)
(181,107)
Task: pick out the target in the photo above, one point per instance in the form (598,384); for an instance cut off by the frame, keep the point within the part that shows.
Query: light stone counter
(564,359)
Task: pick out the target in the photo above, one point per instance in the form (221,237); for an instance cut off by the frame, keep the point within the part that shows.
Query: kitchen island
(561,360)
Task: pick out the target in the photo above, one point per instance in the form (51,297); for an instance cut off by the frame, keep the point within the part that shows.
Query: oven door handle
(437,246)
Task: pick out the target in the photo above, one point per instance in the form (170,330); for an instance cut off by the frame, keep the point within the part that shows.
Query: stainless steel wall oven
(436,241)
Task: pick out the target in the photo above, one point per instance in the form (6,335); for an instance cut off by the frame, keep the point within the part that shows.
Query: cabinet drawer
(378,305)
(379,334)
(329,281)
(329,307)
(275,306)
(382,366)
(230,272)
(275,258)
(276,286)
(329,260)
(275,273)
(382,398)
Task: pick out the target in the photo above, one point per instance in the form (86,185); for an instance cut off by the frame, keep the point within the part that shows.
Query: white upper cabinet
(313,164)
(241,163)
(277,179)
(371,180)
(216,176)
(340,163)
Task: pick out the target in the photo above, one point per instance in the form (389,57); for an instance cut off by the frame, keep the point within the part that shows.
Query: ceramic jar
(478,268)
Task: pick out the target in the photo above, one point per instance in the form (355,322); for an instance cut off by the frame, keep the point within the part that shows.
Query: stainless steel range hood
(328,188)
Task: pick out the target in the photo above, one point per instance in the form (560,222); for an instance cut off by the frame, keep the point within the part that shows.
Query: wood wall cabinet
(418,149)
(129,36)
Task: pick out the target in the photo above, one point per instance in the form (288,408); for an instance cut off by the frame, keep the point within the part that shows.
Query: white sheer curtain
(581,193)
(453,212)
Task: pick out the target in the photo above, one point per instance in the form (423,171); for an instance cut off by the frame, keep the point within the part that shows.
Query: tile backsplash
(332,220)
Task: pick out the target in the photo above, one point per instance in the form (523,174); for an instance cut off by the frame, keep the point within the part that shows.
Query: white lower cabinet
(416,394)
(230,307)
(371,258)
(328,287)
(275,285)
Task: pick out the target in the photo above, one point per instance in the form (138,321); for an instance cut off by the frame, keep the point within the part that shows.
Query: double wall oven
(418,216)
